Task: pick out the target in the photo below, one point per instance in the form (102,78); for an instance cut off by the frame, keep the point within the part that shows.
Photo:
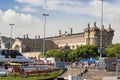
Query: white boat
(11,55)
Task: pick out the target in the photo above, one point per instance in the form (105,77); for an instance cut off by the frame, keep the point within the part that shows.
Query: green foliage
(113,50)
(31,77)
(40,55)
(73,55)
(52,75)
(65,53)
(59,54)
(85,51)
(110,52)
(55,53)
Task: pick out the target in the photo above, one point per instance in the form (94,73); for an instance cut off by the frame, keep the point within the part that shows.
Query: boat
(12,55)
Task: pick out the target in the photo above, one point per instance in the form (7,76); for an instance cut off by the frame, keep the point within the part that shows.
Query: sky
(63,15)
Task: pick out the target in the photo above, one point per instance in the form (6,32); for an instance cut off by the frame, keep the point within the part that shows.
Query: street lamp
(11,35)
(101,28)
(0,40)
(45,15)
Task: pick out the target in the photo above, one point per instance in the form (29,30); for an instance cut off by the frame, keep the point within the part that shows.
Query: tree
(110,52)
(73,55)
(85,51)
(50,53)
(65,53)
(88,51)
(113,50)
(55,53)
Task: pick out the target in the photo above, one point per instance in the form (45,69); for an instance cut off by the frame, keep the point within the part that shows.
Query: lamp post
(0,40)
(45,15)
(101,29)
(11,35)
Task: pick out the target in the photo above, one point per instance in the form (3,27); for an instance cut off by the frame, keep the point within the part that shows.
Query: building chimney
(35,37)
(109,25)
(38,36)
(59,32)
(94,24)
(88,25)
(71,31)
(24,36)
(27,36)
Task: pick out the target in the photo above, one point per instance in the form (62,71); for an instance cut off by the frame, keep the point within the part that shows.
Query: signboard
(59,64)
(102,63)
(111,64)
(102,50)
(75,77)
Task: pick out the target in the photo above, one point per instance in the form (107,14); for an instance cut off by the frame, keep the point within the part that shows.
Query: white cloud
(76,6)
(1,13)
(29,9)
(32,2)
(11,16)
(51,5)
(92,8)
(16,7)
(26,9)
(24,24)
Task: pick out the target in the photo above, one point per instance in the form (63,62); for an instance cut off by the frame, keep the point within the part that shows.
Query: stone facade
(32,45)
(91,35)
(71,40)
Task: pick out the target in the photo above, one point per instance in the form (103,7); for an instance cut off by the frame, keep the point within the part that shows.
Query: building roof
(68,35)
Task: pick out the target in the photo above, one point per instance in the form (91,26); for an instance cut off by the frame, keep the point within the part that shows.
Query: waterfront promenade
(92,74)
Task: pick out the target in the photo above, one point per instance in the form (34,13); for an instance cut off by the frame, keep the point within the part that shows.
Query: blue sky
(64,14)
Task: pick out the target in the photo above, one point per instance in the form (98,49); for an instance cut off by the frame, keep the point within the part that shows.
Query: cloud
(32,2)
(1,13)
(10,16)
(16,7)
(26,9)
(25,23)
(29,9)
(53,5)
(90,8)
(77,7)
